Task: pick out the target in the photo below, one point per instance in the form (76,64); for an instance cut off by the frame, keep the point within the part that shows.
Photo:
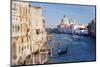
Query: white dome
(64,21)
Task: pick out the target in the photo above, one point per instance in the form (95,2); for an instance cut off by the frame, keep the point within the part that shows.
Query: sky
(53,13)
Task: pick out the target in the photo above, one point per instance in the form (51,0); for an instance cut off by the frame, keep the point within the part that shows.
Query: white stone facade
(28,31)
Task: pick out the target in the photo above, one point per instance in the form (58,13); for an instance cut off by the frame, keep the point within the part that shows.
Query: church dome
(64,20)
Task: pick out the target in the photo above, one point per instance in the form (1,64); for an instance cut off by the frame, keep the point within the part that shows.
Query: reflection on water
(80,48)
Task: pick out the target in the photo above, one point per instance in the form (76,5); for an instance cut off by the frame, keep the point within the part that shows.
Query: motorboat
(62,50)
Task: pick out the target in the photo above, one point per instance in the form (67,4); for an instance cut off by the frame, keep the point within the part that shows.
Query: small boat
(62,51)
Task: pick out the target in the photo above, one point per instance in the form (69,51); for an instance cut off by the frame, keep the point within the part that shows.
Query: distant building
(28,34)
(80,29)
(72,21)
(71,26)
(92,28)
(64,26)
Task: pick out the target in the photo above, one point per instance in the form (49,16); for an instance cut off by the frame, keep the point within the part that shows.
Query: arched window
(14,49)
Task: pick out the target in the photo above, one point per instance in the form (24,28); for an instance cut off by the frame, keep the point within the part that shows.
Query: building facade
(80,29)
(28,34)
(20,34)
(38,34)
(92,28)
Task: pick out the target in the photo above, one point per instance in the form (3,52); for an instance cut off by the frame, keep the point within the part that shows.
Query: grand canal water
(79,48)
